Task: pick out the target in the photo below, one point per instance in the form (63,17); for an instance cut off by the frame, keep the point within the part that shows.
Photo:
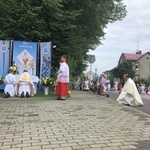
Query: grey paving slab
(84,121)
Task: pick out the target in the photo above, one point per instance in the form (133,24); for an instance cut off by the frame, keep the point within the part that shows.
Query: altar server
(129,94)
(62,79)
(10,82)
(25,87)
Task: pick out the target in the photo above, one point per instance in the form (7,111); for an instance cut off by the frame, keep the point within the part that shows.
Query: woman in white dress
(142,89)
(86,84)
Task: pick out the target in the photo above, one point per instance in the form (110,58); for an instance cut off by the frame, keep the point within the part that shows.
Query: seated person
(25,87)
(148,90)
(10,82)
(142,89)
(115,87)
(102,86)
(108,86)
(86,85)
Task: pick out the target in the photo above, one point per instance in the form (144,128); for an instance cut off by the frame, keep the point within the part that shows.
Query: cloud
(122,36)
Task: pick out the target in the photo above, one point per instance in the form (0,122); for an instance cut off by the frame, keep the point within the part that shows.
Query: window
(137,66)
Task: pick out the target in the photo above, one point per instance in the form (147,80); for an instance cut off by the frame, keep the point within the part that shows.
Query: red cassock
(62,89)
(62,80)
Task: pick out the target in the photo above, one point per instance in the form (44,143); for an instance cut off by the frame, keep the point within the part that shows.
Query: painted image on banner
(45,48)
(25,55)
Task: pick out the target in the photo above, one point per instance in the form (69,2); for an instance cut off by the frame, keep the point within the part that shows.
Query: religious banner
(25,56)
(4,57)
(45,60)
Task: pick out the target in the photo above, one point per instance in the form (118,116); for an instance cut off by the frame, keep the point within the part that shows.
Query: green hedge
(144,81)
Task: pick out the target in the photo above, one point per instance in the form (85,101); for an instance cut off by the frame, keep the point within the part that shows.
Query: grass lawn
(39,95)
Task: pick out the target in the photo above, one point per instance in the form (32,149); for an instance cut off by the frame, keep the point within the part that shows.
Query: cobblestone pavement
(85,121)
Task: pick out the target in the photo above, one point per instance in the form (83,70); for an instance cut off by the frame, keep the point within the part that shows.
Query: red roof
(129,56)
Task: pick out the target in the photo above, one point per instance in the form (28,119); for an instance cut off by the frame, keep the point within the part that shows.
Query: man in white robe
(129,94)
(10,82)
(25,87)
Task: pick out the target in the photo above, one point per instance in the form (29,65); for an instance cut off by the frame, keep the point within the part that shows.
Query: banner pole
(51,59)
(10,53)
(3,60)
(38,60)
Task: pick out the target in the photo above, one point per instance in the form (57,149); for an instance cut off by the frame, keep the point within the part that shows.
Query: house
(141,63)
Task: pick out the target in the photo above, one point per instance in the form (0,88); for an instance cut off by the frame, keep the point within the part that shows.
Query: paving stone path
(84,122)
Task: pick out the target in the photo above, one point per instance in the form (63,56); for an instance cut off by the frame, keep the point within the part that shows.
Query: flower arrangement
(1,80)
(14,67)
(47,81)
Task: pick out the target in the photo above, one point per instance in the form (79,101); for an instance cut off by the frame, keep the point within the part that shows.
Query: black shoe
(22,95)
(58,98)
(8,95)
(108,95)
(5,96)
(127,104)
(27,95)
(62,99)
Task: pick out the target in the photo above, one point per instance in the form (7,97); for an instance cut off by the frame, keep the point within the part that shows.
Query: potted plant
(48,83)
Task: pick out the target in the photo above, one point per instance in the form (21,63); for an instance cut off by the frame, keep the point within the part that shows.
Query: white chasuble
(130,94)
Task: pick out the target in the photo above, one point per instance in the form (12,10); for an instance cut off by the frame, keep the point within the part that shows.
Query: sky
(123,36)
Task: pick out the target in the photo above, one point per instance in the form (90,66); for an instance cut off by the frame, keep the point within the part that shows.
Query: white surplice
(63,73)
(130,94)
(10,82)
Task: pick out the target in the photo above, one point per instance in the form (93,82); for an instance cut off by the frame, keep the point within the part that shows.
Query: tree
(123,68)
(75,26)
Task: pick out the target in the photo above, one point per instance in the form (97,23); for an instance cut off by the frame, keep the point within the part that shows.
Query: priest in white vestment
(25,87)
(129,94)
(62,80)
(10,82)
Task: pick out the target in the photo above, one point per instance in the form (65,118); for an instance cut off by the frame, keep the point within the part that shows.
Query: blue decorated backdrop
(4,59)
(45,59)
(25,56)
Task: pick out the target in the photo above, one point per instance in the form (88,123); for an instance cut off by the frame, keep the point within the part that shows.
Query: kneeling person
(25,87)
(10,82)
(129,94)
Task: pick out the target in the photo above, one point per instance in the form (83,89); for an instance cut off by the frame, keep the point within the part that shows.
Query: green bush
(144,81)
